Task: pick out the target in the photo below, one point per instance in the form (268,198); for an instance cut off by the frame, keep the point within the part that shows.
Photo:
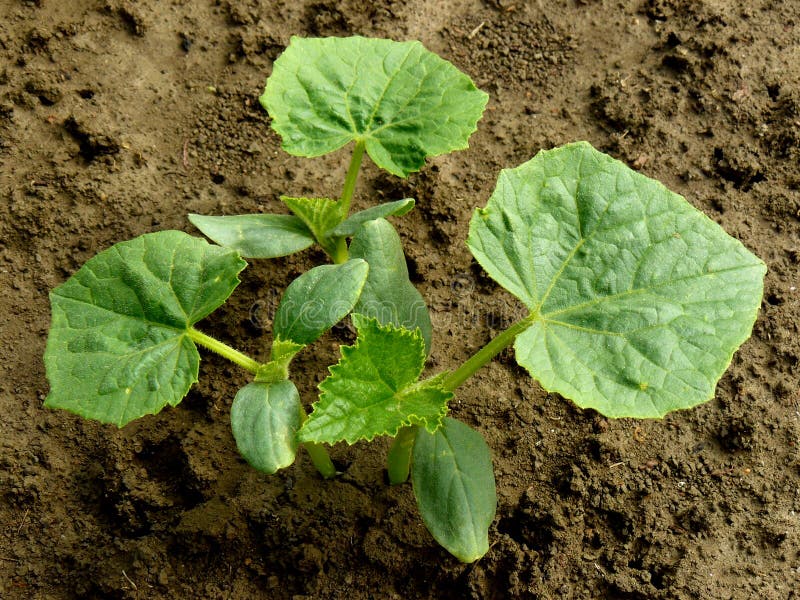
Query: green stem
(350,179)
(223,350)
(398,461)
(321,459)
(319,456)
(486,354)
(340,254)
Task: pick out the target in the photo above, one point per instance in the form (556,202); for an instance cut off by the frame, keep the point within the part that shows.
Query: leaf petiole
(351,178)
(213,344)
(339,253)
(482,357)
(318,454)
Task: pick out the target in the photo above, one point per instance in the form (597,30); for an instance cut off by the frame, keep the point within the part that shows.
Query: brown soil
(117,117)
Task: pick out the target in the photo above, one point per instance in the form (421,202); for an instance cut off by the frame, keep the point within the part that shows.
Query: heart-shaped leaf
(119,345)
(637,299)
(403,101)
(388,295)
(318,299)
(453,480)
(256,236)
(265,418)
(349,226)
(374,388)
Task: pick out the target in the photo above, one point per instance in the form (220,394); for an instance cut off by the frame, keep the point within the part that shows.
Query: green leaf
(119,344)
(405,102)
(455,489)
(277,369)
(388,295)
(349,226)
(320,215)
(374,388)
(637,299)
(256,236)
(265,419)
(318,299)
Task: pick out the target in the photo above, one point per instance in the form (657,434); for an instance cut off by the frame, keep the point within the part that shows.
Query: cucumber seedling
(635,301)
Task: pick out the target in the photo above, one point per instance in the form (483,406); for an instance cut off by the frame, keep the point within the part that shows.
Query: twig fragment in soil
(129,580)
(22,521)
(186,154)
(475,31)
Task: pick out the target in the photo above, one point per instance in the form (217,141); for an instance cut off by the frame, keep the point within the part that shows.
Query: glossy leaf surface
(349,226)
(453,480)
(318,299)
(256,236)
(265,418)
(388,295)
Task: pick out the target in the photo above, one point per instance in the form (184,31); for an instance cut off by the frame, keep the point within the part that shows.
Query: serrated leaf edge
(361,322)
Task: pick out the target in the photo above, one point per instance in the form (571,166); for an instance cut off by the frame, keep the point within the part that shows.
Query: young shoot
(635,301)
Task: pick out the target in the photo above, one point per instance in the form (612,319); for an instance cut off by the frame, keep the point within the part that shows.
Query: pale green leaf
(403,101)
(637,299)
(256,236)
(373,390)
(318,299)
(397,208)
(319,214)
(265,418)
(119,344)
(388,295)
(277,369)
(453,480)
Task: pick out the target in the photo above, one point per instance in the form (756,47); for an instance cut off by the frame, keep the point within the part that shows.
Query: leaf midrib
(462,485)
(636,291)
(389,82)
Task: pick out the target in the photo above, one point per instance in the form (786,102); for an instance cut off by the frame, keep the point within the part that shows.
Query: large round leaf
(637,299)
(119,344)
(403,101)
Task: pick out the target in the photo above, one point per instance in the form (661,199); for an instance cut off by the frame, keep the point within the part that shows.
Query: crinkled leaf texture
(320,215)
(256,236)
(388,295)
(119,345)
(373,390)
(403,101)
(265,418)
(637,299)
(318,299)
(453,480)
